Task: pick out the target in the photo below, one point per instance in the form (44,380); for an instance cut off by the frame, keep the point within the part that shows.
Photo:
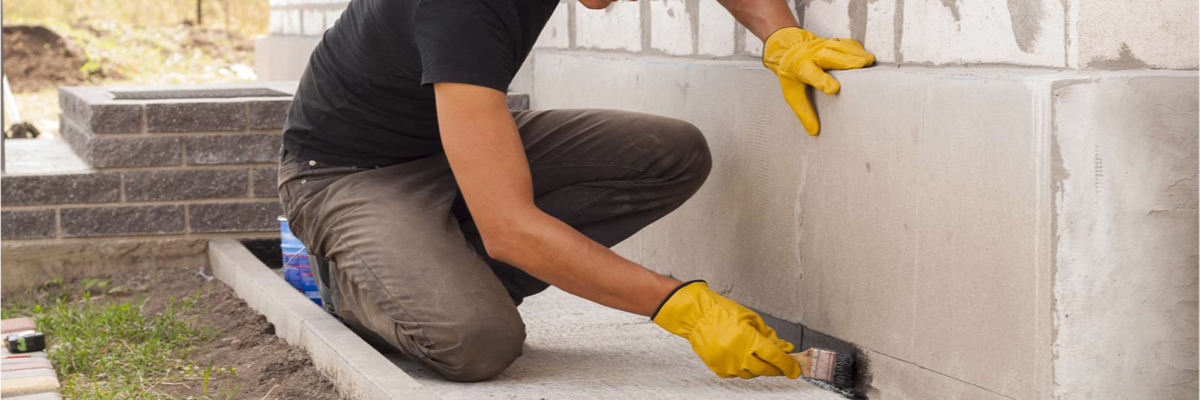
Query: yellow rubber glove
(801,58)
(729,338)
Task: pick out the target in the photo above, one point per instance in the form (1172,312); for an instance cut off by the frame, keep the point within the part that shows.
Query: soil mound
(36,57)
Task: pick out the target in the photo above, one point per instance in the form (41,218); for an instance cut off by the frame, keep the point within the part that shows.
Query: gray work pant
(407,266)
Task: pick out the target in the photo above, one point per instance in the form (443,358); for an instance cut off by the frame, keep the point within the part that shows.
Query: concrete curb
(354,367)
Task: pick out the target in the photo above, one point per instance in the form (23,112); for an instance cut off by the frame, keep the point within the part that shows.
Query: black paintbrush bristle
(843,371)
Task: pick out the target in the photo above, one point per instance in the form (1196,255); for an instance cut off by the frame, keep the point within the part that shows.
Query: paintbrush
(827,366)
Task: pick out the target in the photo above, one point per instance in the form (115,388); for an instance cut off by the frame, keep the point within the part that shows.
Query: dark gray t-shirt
(366,98)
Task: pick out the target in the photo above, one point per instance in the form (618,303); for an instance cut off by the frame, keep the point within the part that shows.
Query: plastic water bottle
(296,268)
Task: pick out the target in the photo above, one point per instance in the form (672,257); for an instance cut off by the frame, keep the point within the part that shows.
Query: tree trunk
(199,12)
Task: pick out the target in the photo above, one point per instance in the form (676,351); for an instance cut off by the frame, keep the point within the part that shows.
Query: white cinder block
(291,22)
(827,18)
(331,17)
(1130,34)
(618,27)
(557,33)
(753,45)
(984,31)
(314,22)
(276,22)
(880,37)
(716,30)
(672,27)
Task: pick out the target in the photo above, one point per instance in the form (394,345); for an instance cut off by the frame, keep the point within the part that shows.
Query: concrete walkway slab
(577,349)
(357,370)
(13,325)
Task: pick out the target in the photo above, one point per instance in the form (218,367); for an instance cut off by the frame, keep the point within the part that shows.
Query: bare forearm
(558,254)
(486,153)
(761,17)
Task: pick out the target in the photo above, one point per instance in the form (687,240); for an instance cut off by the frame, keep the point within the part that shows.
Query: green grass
(116,351)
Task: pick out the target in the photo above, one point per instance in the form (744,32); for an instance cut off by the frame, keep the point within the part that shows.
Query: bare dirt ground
(36,58)
(244,340)
(266,366)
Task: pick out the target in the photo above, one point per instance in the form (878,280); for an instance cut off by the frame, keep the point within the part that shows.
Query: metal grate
(196,94)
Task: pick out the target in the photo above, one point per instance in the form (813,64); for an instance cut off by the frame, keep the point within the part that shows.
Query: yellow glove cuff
(675,316)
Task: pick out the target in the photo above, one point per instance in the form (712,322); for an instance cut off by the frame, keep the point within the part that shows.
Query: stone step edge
(354,367)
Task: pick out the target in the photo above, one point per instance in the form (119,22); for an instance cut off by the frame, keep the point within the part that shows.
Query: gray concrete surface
(577,349)
(1125,241)
(41,156)
(953,220)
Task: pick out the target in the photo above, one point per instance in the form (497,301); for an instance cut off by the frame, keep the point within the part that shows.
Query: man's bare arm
(488,159)
(761,17)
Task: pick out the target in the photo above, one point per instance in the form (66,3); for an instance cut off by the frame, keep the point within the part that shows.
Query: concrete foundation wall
(1005,207)
(1077,34)
(930,221)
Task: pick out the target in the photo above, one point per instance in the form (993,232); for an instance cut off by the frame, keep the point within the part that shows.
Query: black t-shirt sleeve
(463,41)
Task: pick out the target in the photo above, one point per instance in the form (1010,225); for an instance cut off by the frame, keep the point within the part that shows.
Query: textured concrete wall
(1025,229)
(923,223)
(295,28)
(1087,34)
(1125,212)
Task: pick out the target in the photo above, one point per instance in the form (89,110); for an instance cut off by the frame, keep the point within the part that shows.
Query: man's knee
(687,151)
(480,348)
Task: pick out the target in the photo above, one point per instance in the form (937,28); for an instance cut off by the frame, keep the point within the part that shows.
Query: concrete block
(23,364)
(42,157)
(265,181)
(185,184)
(873,23)
(1135,35)
(897,379)
(39,396)
(28,224)
(291,22)
(97,112)
(101,151)
(30,263)
(314,22)
(1125,239)
(234,217)
(4,354)
(232,149)
(716,30)
(923,229)
(196,116)
(13,325)
(987,31)
(96,187)
(357,369)
(331,17)
(268,114)
(276,22)
(751,45)
(618,27)
(979,181)
(29,385)
(672,22)
(557,33)
(262,289)
(28,373)
(121,221)
(829,19)
(281,57)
